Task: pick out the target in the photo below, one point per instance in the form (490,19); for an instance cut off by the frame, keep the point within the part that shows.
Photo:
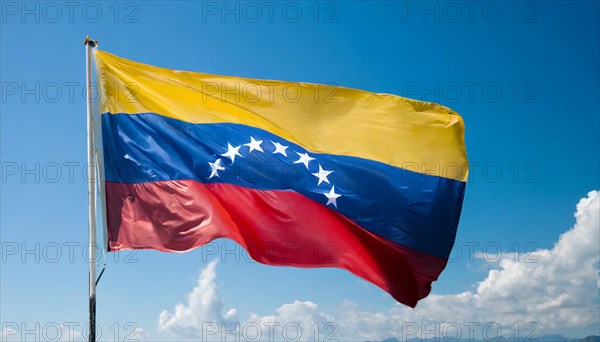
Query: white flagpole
(89,45)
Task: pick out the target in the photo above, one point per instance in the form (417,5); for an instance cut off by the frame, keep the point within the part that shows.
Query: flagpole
(89,45)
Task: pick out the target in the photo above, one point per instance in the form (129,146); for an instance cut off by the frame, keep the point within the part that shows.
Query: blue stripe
(415,210)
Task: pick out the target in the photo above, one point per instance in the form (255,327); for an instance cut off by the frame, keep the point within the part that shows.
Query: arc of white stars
(279,148)
(232,152)
(322,175)
(254,145)
(215,168)
(332,196)
(304,159)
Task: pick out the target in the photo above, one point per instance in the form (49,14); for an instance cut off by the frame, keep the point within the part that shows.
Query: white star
(254,145)
(216,167)
(232,152)
(279,148)
(332,197)
(304,159)
(322,175)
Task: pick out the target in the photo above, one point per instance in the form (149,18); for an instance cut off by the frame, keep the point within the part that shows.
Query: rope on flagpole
(100,176)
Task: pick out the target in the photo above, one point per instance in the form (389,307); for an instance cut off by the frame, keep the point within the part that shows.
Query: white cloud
(300,320)
(204,306)
(556,288)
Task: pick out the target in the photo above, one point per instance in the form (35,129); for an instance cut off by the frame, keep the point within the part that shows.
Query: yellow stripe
(415,135)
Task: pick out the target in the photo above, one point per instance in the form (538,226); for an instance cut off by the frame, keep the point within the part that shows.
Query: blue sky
(524,75)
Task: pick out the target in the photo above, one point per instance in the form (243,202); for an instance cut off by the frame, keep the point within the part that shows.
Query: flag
(299,174)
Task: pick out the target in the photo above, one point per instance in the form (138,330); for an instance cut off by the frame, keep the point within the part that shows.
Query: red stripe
(275,227)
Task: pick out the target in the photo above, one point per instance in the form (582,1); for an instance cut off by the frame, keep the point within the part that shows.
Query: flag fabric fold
(298,174)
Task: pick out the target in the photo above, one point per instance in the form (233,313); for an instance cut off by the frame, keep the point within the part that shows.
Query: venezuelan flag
(299,174)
